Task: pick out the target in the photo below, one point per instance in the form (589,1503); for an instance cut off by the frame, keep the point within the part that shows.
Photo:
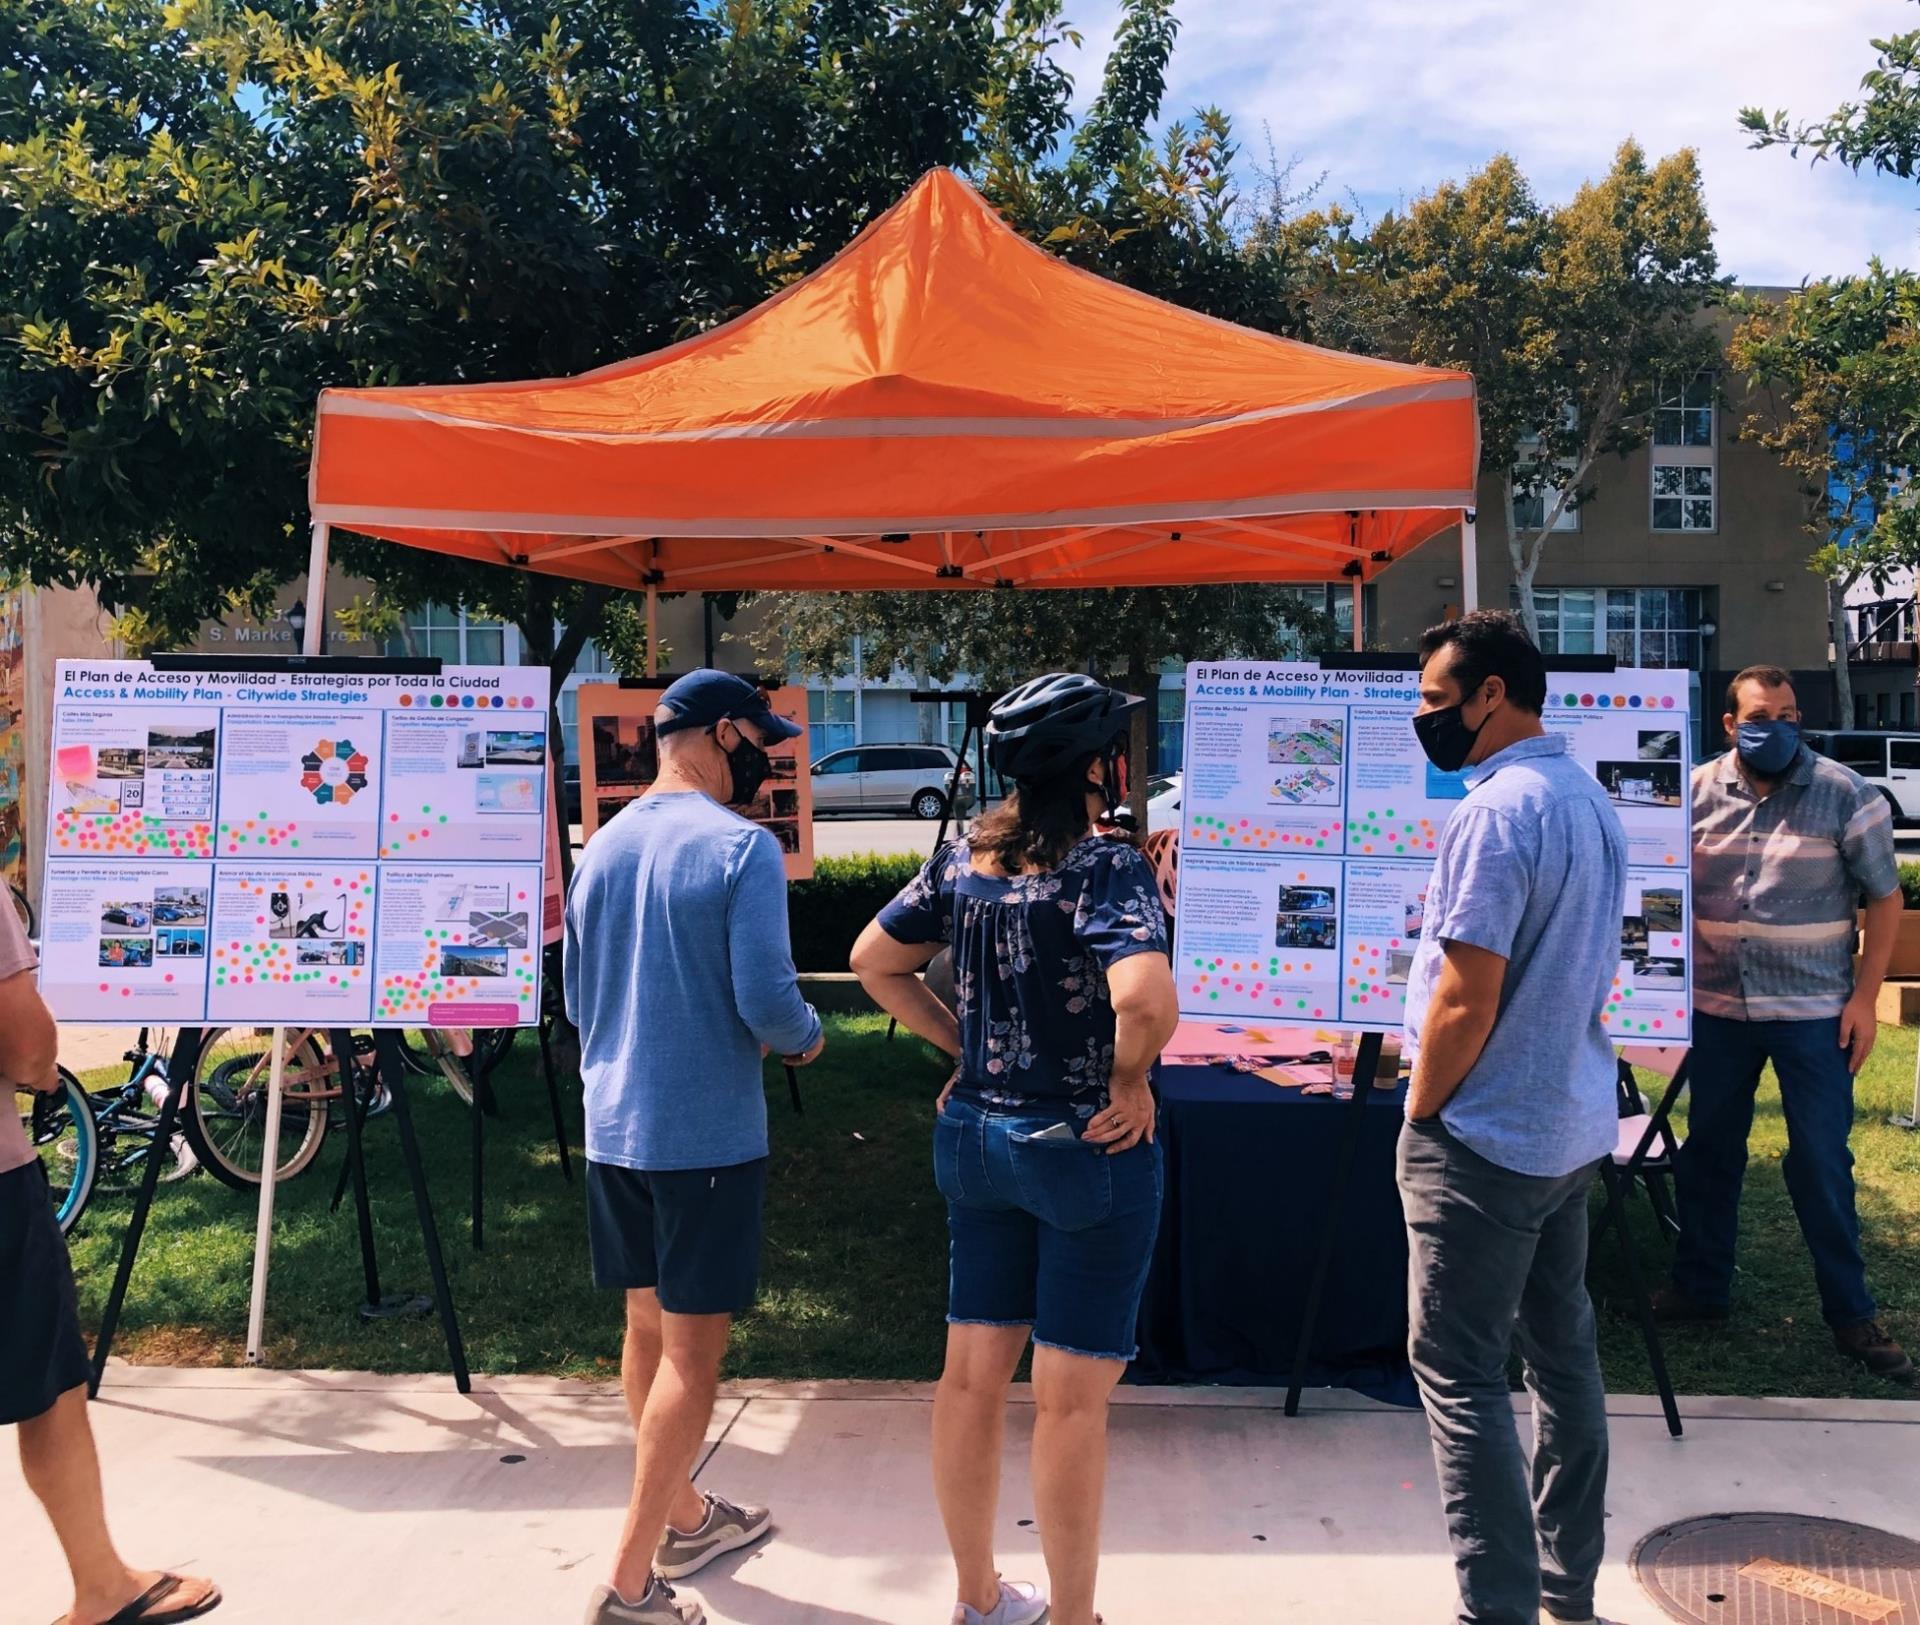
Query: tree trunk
(1142,679)
(1842,673)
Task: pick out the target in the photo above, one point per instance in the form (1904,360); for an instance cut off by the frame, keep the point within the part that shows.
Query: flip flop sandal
(159,1604)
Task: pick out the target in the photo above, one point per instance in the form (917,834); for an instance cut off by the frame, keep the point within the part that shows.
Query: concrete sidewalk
(323,1497)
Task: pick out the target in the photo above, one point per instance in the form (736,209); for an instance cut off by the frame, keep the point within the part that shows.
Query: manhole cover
(1773,1568)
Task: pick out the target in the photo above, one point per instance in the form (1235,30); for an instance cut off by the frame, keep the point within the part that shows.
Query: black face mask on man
(749,765)
(1445,737)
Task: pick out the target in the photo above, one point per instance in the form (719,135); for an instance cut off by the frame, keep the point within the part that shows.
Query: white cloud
(1390,97)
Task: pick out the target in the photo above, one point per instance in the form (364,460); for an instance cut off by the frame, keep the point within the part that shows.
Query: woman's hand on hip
(1129,1117)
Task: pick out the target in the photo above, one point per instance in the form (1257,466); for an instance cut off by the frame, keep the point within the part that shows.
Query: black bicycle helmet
(1043,727)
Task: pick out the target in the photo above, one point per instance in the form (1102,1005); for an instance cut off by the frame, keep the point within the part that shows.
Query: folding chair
(1644,1151)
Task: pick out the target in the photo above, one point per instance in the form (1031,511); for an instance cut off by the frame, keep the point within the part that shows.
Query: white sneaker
(1020,1604)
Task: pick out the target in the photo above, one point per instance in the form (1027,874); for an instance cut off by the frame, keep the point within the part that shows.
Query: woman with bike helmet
(1044,1139)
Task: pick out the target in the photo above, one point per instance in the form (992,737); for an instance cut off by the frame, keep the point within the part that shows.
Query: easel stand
(181,1066)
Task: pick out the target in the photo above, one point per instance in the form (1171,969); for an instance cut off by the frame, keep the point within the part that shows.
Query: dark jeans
(1816,1093)
(1497,1255)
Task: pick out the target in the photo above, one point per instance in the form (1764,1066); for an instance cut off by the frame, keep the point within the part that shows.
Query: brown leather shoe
(1866,1344)
(1672,1307)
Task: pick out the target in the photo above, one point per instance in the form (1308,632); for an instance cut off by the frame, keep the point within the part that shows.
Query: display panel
(250,848)
(1310,820)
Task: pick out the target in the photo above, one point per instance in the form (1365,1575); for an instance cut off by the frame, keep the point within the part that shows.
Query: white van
(1890,762)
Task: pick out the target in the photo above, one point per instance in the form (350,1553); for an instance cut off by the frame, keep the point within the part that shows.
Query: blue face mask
(1769,747)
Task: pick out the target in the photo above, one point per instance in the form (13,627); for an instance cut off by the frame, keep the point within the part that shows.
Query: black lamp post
(297,619)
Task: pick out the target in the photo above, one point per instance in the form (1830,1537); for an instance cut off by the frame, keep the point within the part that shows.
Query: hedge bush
(829,911)
(1910,883)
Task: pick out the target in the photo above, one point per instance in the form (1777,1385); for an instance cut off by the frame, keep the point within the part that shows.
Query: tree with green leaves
(1881,129)
(1571,319)
(209,212)
(1834,372)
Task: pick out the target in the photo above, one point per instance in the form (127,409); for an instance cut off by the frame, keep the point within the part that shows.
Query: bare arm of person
(1460,1017)
(29,1040)
(890,972)
(1146,1011)
(1860,1020)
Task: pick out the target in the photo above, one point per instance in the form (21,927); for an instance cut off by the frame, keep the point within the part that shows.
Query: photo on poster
(495,930)
(184,750)
(1661,907)
(625,750)
(1649,970)
(1308,787)
(1660,745)
(176,942)
(1641,783)
(473,959)
(126,953)
(330,953)
(519,747)
(1633,935)
(473,749)
(180,905)
(123,914)
(507,792)
(120,763)
(307,916)
(1309,741)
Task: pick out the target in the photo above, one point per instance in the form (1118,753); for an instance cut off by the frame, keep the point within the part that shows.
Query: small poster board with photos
(620,759)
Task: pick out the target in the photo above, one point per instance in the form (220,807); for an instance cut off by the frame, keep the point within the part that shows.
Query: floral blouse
(1030,959)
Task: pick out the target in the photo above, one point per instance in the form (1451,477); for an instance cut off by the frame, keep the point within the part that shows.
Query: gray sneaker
(657,1607)
(1019,1604)
(727,1528)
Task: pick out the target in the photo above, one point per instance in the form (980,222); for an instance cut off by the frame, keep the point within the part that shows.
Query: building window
(1685,457)
(1638,626)
(1530,509)
(436,631)
(831,720)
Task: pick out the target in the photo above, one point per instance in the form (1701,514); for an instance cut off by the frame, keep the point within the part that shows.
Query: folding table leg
(553,1100)
(1643,1306)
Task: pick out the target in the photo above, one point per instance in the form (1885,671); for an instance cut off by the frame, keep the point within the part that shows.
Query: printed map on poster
(620,758)
(1311,820)
(285,848)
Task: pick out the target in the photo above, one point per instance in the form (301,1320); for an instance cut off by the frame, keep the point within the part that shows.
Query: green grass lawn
(855,1264)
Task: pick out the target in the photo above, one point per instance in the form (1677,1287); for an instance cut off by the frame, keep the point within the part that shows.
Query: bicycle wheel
(23,908)
(60,1127)
(419,1057)
(226,1122)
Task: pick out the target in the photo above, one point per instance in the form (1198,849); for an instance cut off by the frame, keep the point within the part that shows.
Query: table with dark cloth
(1250,1169)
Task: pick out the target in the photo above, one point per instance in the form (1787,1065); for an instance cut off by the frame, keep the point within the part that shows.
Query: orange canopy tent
(942,405)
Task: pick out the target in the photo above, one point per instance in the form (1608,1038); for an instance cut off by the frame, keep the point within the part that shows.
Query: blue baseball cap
(706,697)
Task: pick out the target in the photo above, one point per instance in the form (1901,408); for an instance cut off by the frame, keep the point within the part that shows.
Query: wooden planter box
(1906,946)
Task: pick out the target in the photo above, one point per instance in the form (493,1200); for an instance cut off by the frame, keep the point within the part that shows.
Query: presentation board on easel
(319,847)
(620,758)
(1310,818)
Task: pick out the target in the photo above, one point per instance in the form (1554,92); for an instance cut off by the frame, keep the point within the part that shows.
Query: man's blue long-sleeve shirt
(678,968)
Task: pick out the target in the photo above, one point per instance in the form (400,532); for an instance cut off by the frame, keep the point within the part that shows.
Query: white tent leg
(1469,561)
(313,643)
(263,1228)
(1359,628)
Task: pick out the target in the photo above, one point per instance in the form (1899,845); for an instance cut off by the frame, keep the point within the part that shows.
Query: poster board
(620,758)
(308,846)
(1310,820)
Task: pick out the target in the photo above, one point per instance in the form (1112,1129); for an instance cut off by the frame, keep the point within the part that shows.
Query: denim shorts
(1049,1233)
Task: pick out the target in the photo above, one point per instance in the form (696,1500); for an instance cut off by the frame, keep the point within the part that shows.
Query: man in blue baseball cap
(679,975)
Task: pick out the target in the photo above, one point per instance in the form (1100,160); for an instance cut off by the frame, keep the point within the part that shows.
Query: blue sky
(1390,97)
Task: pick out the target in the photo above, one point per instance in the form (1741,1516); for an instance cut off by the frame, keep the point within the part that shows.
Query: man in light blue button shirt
(1511,1109)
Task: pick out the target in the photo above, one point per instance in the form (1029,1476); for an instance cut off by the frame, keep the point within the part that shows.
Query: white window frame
(431,618)
(1690,461)
(1569,521)
(1601,633)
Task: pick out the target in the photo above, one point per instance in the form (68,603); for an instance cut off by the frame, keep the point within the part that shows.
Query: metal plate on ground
(1774,1568)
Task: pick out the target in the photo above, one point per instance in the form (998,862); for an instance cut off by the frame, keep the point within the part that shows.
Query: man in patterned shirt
(1786,844)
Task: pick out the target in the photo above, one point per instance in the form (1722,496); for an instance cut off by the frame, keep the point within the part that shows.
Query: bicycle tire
(226,1117)
(24,908)
(61,1130)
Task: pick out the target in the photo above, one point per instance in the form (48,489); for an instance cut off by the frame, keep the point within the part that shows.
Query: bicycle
(428,1052)
(227,1119)
(24,909)
(98,1140)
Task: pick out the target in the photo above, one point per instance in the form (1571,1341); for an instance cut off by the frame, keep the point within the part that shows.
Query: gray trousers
(1499,1257)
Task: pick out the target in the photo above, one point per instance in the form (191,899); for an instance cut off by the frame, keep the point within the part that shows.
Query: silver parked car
(880,779)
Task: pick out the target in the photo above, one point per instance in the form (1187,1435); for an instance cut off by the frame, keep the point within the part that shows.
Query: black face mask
(1446,739)
(750,766)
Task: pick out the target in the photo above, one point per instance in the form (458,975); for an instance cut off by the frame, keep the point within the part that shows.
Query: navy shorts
(692,1234)
(1051,1233)
(42,1354)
